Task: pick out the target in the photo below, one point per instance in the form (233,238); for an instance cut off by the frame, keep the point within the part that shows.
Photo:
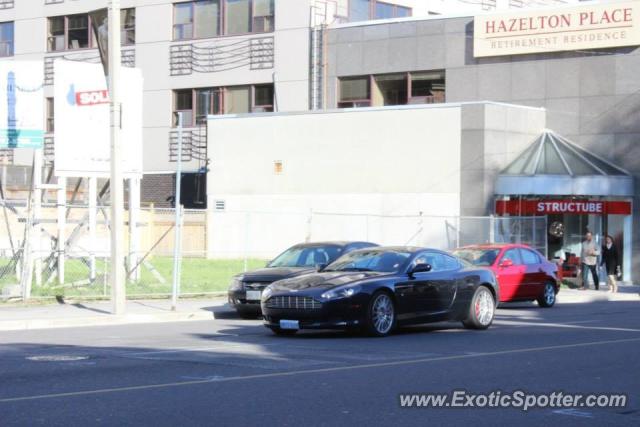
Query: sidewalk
(573,296)
(15,317)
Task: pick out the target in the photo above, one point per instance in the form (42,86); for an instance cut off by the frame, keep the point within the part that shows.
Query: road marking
(314,371)
(563,325)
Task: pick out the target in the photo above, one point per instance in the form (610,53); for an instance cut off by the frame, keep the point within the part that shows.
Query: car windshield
(307,256)
(370,260)
(480,257)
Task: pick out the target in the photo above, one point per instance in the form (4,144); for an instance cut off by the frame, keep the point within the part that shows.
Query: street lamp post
(118,293)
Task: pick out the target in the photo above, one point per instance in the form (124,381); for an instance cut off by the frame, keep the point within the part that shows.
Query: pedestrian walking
(589,260)
(611,263)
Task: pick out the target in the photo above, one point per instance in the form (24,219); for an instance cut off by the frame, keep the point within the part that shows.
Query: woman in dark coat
(610,262)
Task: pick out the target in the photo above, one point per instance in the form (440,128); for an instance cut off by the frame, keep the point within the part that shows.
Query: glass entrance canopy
(553,165)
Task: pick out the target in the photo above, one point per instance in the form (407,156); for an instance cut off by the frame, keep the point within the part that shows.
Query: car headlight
(236,284)
(266,293)
(342,292)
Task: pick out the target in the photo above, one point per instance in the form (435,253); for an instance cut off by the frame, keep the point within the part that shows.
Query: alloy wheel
(484,308)
(382,313)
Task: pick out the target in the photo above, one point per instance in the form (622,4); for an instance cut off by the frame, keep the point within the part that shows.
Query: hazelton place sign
(592,26)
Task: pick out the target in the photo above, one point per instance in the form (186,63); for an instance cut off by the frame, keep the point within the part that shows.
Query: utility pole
(177,245)
(117,276)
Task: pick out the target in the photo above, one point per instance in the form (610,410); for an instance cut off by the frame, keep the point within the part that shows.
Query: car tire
(380,318)
(482,309)
(284,332)
(548,297)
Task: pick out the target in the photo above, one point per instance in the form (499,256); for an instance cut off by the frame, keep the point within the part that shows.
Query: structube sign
(21,104)
(82,145)
(575,207)
(593,26)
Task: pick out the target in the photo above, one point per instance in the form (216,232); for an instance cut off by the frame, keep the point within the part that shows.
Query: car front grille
(255,286)
(293,302)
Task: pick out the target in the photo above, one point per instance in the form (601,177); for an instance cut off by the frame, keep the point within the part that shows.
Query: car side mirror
(321,266)
(420,268)
(506,263)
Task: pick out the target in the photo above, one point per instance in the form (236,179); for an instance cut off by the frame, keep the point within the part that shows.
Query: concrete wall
(592,97)
(389,175)
(492,136)
(351,171)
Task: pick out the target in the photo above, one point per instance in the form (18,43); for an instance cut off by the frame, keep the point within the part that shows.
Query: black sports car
(246,288)
(376,289)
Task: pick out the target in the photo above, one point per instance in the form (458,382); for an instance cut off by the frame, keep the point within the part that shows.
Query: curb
(107,320)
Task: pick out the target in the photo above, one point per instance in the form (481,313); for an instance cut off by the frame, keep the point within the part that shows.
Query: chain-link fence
(212,253)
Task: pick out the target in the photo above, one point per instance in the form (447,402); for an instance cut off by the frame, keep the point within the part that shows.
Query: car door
(433,291)
(510,277)
(535,274)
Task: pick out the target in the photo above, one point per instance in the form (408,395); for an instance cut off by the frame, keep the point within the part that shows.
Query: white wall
(365,174)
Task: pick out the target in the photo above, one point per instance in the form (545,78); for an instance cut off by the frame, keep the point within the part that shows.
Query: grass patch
(198,276)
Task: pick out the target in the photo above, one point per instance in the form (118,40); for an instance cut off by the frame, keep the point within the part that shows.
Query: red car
(522,272)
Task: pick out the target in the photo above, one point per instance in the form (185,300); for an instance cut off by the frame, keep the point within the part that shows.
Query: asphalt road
(234,372)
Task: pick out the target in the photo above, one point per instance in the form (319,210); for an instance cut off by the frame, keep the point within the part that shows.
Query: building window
(56,33)
(262,99)
(426,87)
(183,103)
(364,10)
(263,16)
(74,31)
(211,18)
(50,115)
(6,39)
(355,92)
(237,100)
(207,102)
(128,24)
(196,104)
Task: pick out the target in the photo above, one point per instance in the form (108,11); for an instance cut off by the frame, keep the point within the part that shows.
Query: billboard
(21,104)
(82,139)
(592,26)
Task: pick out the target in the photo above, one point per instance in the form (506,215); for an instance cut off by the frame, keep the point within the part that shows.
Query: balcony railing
(128,58)
(7,4)
(194,144)
(221,55)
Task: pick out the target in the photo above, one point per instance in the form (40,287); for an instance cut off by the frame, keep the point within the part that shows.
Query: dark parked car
(246,288)
(376,289)
(522,272)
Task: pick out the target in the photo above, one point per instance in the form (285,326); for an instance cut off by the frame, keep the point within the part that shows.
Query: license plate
(254,295)
(289,324)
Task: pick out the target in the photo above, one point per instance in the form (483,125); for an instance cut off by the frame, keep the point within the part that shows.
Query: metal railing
(256,53)
(128,57)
